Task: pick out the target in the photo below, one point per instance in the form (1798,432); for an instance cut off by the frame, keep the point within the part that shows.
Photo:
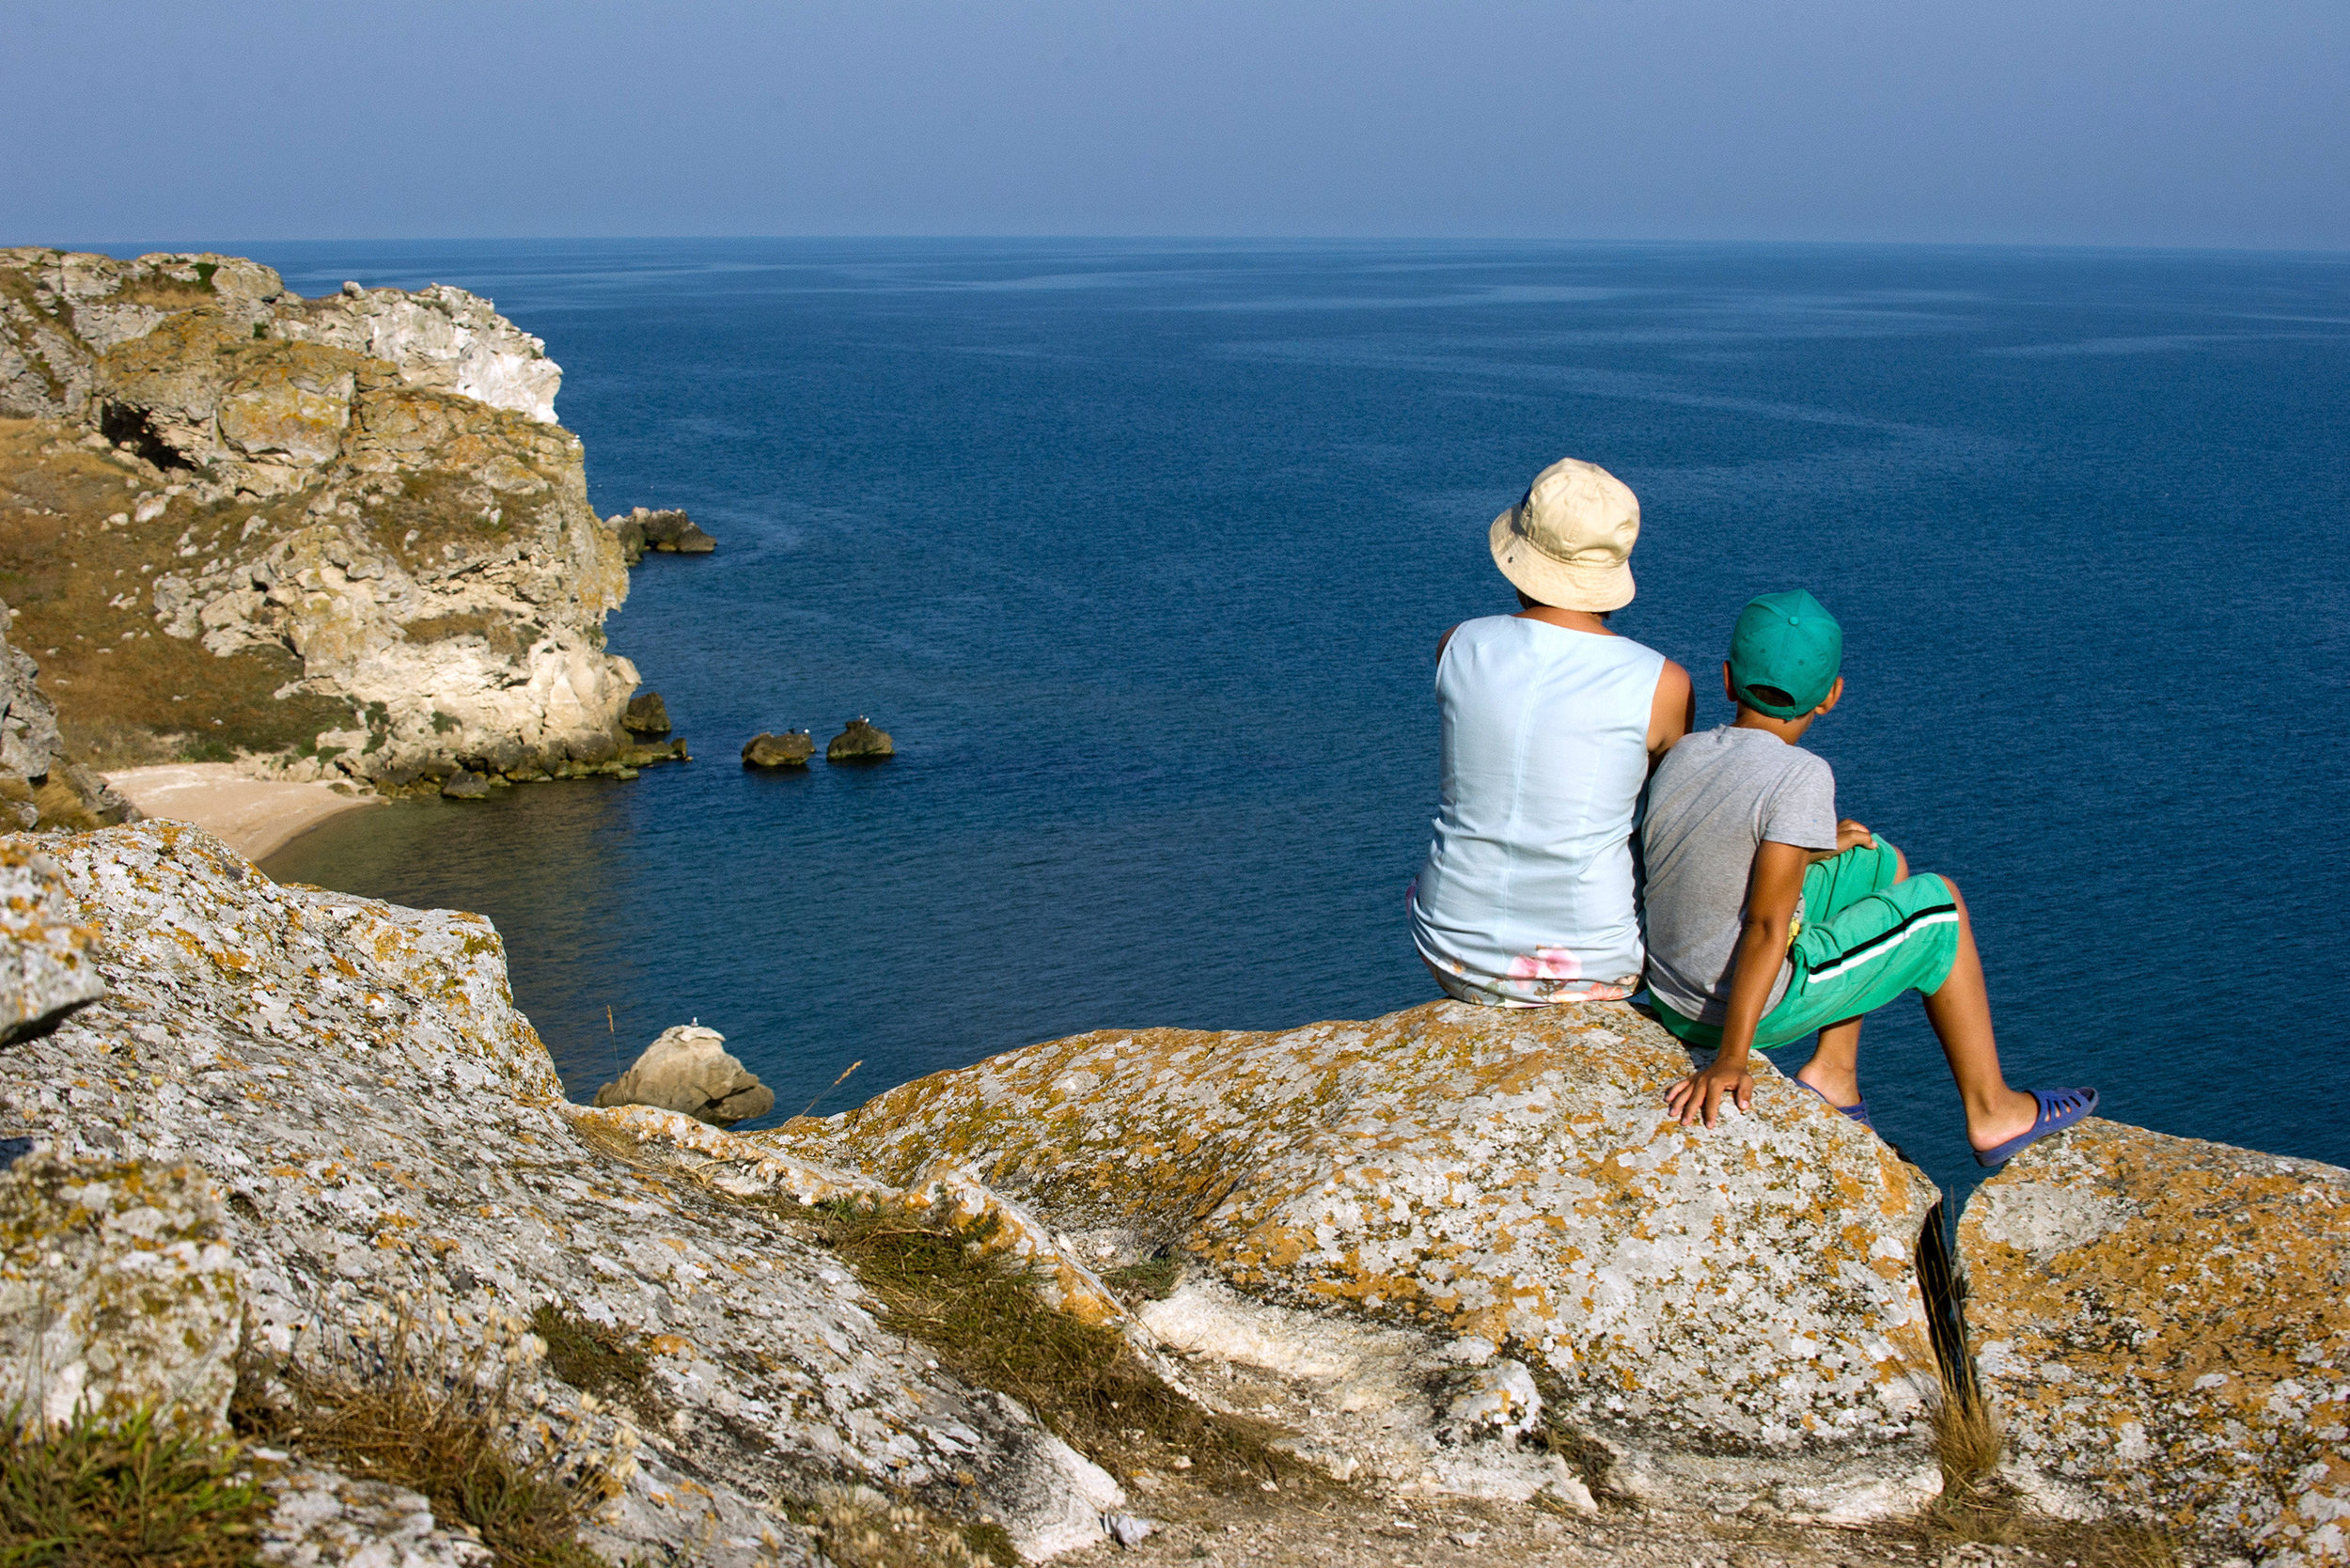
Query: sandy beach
(253,816)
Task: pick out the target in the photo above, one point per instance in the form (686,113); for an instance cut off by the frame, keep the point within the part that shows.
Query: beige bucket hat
(1569,542)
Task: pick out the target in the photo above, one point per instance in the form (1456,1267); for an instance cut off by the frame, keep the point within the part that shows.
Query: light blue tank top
(1527,896)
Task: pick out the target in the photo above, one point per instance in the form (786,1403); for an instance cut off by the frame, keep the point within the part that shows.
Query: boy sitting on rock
(1768,918)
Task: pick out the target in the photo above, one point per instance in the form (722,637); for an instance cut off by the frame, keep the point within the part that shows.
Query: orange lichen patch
(2161,1321)
(1509,1174)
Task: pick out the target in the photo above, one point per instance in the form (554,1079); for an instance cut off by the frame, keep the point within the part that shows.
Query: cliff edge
(330,537)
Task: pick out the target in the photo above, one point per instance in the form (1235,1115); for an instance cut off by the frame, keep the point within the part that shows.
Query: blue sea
(1141,552)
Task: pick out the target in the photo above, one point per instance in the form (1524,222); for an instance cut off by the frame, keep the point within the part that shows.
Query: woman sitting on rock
(1552,724)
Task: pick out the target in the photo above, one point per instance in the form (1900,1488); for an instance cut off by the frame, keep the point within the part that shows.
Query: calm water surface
(1141,552)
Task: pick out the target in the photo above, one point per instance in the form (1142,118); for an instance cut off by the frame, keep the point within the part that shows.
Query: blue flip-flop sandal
(1857,1110)
(2058,1109)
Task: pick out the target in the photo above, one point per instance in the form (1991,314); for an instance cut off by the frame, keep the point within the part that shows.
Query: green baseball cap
(1790,642)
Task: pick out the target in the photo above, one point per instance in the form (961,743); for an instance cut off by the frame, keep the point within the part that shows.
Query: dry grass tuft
(982,1316)
(126,1494)
(1976,1505)
(598,1360)
(860,1528)
(408,1422)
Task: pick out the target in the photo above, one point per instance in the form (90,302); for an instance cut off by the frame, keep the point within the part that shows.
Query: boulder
(394,1149)
(118,1291)
(860,741)
(790,749)
(47,949)
(2160,1324)
(646,715)
(687,1068)
(465,784)
(1733,1313)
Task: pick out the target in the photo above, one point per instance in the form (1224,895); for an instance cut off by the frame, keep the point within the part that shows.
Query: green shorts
(1864,939)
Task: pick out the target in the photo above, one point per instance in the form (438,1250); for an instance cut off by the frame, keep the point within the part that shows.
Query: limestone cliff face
(365,496)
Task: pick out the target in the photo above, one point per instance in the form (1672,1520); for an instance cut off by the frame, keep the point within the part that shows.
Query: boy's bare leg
(1834,1069)
(1960,1013)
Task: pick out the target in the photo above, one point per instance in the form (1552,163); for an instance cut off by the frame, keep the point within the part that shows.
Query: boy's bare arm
(1772,888)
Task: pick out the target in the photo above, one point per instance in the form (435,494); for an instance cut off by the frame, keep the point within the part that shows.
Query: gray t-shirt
(1716,797)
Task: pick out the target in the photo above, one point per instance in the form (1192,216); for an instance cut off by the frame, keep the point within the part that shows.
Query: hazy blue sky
(2076,121)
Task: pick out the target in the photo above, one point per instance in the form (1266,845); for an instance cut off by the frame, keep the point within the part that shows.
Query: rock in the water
(1735,1311)
(688,1069)
(396,1149)
(646,715)
(118,1291)
(48,950)
(668,530)
(465,784)
(674,531)
(860,741)
(790,749)
(2161,1324)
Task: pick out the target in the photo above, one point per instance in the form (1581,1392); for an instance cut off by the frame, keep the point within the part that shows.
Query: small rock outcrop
(465,784)
(2161,1323)
(38,786)
(670,531)
(859,742)
(688,1069)
(646,715)
(353,537)
(1733,1314)
(790,749)
(332,1103)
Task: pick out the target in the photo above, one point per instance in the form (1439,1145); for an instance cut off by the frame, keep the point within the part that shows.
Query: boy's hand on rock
(1700,1096)
(1853,835)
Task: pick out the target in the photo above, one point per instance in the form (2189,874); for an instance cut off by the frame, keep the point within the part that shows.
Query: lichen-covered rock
(688,1069)
(859,740)
(118,1291)
(371,482)
(323,1519)
(1509,1176)
(394,1147)
(48,964)
(2162,1324)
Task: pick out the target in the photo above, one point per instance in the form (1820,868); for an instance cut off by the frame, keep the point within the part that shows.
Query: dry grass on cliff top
(409,1422)
(125,693)
(981,1314)
(1978,1505)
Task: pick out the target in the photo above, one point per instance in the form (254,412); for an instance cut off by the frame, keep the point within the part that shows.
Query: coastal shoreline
(256,817)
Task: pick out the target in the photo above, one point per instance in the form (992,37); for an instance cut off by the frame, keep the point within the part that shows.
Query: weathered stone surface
(118,1291)
(373,482)
(646,715)
(688,1069)
(2164,1325)
(859,742)
(28,725)
(48,961)
(790,749)
(392,1141)
(320,1519)
(465,784)
(1503,1176)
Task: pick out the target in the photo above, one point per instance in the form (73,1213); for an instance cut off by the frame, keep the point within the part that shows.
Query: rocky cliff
(343,534)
